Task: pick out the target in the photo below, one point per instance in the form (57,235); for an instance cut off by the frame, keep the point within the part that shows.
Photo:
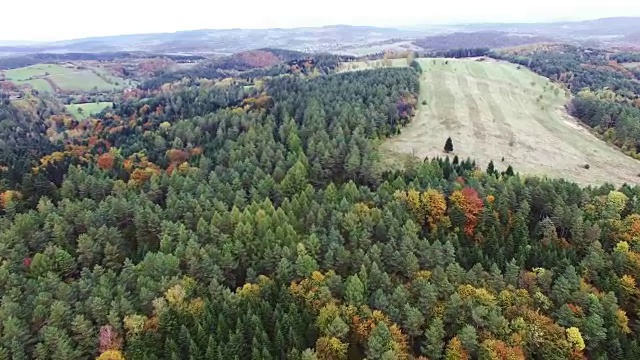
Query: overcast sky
(39,20)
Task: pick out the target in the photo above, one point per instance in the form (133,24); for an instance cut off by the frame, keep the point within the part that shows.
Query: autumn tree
(105,161)
(471,205)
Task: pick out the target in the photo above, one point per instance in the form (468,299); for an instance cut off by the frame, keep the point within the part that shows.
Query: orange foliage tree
(498,350)
(470,203)
(105,161)
(177,156)
(140,176)
(9,196)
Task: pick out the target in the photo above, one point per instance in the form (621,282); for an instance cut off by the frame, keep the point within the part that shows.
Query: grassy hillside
(49,77)
(494,110)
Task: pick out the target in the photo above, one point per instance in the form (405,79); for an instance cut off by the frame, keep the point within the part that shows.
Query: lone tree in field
(448,145)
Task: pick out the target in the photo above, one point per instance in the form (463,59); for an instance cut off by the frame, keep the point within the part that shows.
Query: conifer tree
(448,145)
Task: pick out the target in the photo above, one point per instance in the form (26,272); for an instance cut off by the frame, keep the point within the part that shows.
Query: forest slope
(495,110)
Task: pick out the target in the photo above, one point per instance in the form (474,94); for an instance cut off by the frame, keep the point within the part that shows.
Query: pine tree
(413,320)
(380,342)
(491,168)
(433,344)
(509,171)
(469,338)
(448,145)
(354,290)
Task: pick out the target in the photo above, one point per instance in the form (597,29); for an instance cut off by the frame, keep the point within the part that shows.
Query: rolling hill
(317,39)
(321,39)
(480,39)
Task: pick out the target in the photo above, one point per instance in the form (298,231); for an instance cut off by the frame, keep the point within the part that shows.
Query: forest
(251,65)
(220,221)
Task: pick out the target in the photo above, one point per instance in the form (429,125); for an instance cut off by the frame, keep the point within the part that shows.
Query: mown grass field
(494,110)
(87,109)
(45,77)
(84,80)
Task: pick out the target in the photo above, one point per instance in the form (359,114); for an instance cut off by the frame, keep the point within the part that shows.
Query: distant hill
(335,38)
(482,39)
(617,26)
(310,39)
(22,60)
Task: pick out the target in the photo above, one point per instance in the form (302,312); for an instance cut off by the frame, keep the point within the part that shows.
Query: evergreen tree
(433,344)
(491,168)
(509,171)
(448,145)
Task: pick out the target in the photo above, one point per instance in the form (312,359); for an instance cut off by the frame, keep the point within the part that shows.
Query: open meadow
(52,77)
(496,111)
(82,111)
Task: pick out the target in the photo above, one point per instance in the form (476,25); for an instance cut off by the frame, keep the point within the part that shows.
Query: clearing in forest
(83,111)
(494,110)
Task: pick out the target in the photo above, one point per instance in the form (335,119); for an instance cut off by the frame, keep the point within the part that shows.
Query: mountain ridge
(312,39)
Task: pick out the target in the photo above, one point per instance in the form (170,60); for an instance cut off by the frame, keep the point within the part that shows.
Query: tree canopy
(218,222)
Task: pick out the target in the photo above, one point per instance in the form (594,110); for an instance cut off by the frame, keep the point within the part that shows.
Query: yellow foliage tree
(628,283)
(249,290)
(575,338)
(111,355)
(623,321)
(616,201)
(622,247)
(429,208)
(435,207)
(331,348)
(175,295)
(134,323)
(455,350)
